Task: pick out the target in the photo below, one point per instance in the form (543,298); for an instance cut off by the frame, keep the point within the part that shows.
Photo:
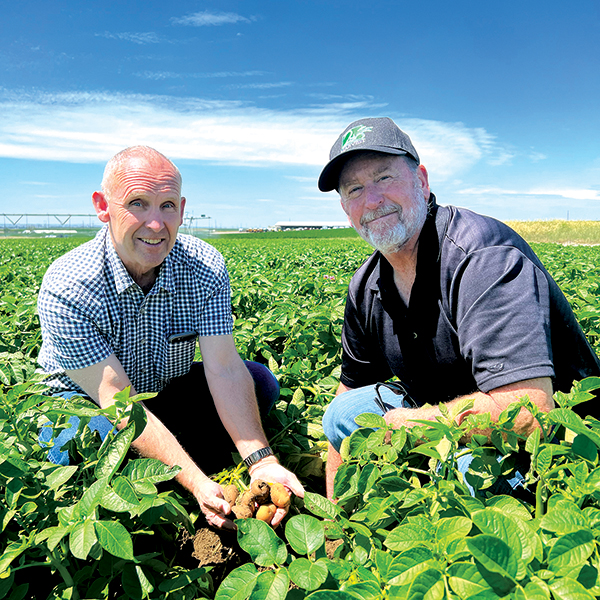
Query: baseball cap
(379,134)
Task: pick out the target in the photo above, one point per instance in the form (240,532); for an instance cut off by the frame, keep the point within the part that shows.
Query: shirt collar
(428,252)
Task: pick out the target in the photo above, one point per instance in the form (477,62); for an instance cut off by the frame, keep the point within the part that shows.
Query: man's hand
(214,507)
(271,471)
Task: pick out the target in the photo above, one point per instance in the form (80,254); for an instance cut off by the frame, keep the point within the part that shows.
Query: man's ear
(101,205)
(181,207)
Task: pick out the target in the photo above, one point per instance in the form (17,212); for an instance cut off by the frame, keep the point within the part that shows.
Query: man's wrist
(258,455)
(268,460)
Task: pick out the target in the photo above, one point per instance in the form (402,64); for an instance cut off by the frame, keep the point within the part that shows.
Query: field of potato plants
(114,525)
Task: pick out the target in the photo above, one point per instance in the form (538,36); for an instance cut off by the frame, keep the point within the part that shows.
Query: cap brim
(330,175)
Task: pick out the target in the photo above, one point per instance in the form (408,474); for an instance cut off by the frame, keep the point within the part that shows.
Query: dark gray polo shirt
(483,313)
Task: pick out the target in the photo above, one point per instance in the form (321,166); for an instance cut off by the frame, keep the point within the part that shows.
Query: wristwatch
(258,455)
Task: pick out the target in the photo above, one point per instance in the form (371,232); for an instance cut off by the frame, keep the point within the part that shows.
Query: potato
(266,512)
(280,496)
(261,491)
(241,511)
(230,493)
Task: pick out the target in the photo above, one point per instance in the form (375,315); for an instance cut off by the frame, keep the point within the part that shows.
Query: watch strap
(258,455)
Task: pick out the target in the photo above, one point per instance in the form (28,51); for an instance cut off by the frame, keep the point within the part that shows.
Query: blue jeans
(187,409)
(338,423)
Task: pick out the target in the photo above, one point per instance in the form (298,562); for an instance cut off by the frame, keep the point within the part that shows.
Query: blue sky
(501,100)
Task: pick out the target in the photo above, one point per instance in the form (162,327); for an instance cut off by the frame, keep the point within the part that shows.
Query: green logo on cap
(356,135)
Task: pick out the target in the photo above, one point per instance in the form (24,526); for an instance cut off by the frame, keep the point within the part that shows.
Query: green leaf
(11,552)
(90,499)
(135,582)
(114,538)
(60,475)
(331,595)
(149,470)
(53,535)
(565,588)
(320,506)
(370,420)
(114,451)
(571,550)
(494,555)
(428,585)
(82,538)
(359,442)
(565,517)
(170,585)
(407,536)
(261,542)
(305,534)
(451,528)
(572,421)
(584,447)
(238,585)
(495,523)
(466,580)
(408,565)
(308,575)
(271,585)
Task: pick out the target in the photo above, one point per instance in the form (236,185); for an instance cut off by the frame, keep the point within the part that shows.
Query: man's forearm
(235,401)
(156,441)
(494,402)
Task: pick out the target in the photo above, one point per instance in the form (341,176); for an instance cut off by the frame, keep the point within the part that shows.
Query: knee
(266,385)
(334,425)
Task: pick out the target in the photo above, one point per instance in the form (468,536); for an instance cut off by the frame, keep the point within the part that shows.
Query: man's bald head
(131,155)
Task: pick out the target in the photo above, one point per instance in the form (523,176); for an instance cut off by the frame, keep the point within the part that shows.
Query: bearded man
(453,303)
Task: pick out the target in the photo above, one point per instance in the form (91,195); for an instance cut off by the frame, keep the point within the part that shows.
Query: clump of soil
(331,546)
(216,548)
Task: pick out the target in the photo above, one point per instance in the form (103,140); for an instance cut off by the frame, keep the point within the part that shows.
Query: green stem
(539,501)
(56,563)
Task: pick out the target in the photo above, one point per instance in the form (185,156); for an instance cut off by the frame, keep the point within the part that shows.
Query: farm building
(281,225)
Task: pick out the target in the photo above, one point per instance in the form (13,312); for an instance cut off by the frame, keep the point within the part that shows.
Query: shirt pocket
(177,358)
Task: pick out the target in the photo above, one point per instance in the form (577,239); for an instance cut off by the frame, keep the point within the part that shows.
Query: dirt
(215,548)
(220,550)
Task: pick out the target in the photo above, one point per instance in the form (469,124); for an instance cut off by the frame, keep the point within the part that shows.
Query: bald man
(125,310)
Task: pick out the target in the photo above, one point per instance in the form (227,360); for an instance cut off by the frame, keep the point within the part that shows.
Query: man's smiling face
(385,200)
(143,206)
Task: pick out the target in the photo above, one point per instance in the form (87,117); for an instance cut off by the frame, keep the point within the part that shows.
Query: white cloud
(161,75)
(91,127)
(137,38)
(258,86)
(204,18)
(570,194)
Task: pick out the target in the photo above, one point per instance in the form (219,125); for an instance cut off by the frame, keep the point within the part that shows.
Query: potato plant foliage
(405,526)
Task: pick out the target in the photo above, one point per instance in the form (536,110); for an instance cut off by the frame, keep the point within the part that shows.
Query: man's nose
(373,196)
(154,220)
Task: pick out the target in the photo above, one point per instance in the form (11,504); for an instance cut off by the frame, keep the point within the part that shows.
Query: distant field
(558,231)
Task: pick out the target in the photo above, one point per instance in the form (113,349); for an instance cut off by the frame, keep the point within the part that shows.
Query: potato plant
(405,525)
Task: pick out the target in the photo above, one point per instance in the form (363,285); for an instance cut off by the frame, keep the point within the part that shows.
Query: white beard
(392,238)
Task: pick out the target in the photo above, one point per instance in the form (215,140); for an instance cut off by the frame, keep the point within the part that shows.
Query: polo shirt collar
(430,243)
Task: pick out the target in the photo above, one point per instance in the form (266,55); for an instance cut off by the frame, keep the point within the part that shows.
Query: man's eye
(135,203)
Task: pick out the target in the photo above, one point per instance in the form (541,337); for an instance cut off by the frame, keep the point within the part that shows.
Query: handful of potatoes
(261,501)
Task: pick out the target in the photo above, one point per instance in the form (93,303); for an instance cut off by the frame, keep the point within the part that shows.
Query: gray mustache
(379,212)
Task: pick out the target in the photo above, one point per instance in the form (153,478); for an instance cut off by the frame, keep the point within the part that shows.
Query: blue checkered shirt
(90,308)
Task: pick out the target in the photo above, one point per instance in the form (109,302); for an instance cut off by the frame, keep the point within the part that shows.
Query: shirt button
(415,335)
(143,370)
(143,341)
